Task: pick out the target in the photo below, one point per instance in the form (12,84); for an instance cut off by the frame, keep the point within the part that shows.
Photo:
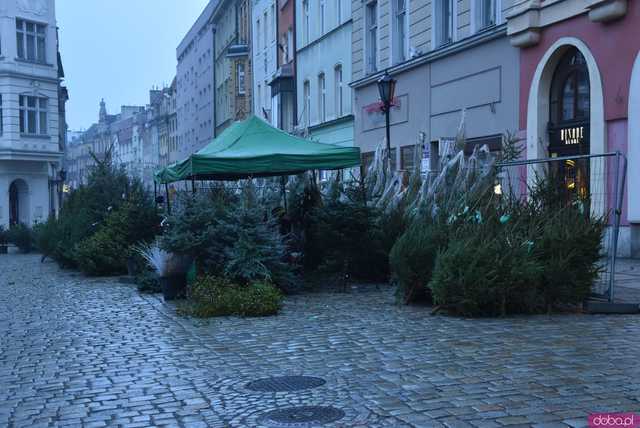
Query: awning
(253,148)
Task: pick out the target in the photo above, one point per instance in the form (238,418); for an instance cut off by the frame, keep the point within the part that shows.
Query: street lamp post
(59,186)
(387,87)
(63,179)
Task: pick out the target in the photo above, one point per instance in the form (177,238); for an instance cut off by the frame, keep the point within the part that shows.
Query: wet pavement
(94,352)
(627,285)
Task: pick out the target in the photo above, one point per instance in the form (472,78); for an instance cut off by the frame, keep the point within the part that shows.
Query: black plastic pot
(132,268)
(174,286)
(4,249)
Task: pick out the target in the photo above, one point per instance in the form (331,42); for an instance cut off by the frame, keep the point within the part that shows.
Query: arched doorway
(561,58)
(569,125)
(18,202)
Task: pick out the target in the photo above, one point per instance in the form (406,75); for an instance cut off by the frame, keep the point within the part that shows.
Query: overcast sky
(118,50)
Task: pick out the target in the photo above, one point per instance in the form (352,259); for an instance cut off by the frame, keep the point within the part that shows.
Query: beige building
(233,65)
(448,56)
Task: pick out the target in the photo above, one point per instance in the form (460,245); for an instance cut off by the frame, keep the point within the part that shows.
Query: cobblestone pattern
(93,352)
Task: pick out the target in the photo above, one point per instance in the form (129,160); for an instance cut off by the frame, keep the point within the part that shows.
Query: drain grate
(285,383)
(301,417)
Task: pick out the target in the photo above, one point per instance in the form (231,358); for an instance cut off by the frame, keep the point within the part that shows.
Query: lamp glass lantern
(386,88)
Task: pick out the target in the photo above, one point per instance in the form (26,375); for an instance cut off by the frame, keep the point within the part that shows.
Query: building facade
(580,77)
(163,116)
(323,68)
(233,72)
(448,57)
(195,85)
(264,58)
(31,112)
(283,84)
(132,139)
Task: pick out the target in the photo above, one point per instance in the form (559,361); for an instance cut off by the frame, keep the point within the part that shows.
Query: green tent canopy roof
(253,148)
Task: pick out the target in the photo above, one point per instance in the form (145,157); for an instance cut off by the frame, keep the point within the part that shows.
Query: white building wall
(319,55)
(264,57)
(31,158)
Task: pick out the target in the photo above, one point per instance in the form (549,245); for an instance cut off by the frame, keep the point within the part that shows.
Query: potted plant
(134,266)
(171,270)
(174,282)
(4,241)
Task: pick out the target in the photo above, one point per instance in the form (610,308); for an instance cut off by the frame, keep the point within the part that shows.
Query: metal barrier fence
(598,179)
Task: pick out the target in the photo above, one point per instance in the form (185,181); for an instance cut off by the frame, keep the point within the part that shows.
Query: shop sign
(378,106)
(571,136)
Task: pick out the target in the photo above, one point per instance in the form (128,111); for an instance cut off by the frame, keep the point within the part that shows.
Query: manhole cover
(285,383)
(301,417)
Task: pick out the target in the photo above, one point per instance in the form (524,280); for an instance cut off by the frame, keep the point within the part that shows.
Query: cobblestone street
(94,352)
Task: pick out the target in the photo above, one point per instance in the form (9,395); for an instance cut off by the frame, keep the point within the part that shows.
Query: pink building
(580,90)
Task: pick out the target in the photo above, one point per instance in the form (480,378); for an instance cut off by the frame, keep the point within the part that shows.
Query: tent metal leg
(155,197)
(166,190)
(284,193)
(362,188)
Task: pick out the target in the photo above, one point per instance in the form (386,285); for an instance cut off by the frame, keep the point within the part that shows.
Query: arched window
(570,89)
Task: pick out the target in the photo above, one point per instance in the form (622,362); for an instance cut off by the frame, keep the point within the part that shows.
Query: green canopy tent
(252,148)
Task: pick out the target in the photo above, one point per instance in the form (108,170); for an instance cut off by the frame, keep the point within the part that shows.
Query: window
(240,78)
(407,158)
(274,25)
(289,45)
(307,103)
(444,22)
(372,36)
(570,92)
(266,30)
(31,40)
(492,142)
(399,31)
(258,34)
(322,16)
(338,95)
(367,160)
(33,115)
(305,21)
(259,99)
(243,33)
(394,159)
(485,14)
(322,98)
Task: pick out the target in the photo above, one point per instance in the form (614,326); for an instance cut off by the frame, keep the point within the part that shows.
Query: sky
(118,50)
